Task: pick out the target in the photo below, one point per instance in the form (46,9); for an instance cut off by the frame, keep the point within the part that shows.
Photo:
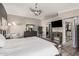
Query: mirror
(30,27)
(68,31)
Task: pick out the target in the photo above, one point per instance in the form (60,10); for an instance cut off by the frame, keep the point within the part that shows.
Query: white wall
(21,23)
(68,14)
(46,22)
(63,15)
(17,29)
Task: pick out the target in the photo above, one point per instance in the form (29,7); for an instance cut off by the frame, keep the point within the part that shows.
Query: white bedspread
(31,46)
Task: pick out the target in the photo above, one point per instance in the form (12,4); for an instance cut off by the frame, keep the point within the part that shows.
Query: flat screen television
(57,23)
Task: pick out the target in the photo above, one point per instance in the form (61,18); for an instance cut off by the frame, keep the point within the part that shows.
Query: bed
(30,46)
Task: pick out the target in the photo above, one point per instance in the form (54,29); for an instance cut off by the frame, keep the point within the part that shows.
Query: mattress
(31,46)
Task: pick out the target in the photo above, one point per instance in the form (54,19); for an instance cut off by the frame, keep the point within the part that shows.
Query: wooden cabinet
(30,33)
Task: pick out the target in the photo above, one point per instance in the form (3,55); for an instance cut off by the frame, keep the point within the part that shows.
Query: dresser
(30,33)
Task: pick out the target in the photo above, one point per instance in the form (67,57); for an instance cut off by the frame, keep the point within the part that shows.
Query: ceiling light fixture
(36,11)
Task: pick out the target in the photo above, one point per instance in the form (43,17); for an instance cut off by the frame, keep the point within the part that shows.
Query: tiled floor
(68,50)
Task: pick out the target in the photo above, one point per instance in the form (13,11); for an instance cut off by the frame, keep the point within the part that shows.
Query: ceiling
(22,9)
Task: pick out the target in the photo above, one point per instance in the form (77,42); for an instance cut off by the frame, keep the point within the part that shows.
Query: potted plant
(40,31)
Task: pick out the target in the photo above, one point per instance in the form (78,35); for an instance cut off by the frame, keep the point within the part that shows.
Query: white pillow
(2,41)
